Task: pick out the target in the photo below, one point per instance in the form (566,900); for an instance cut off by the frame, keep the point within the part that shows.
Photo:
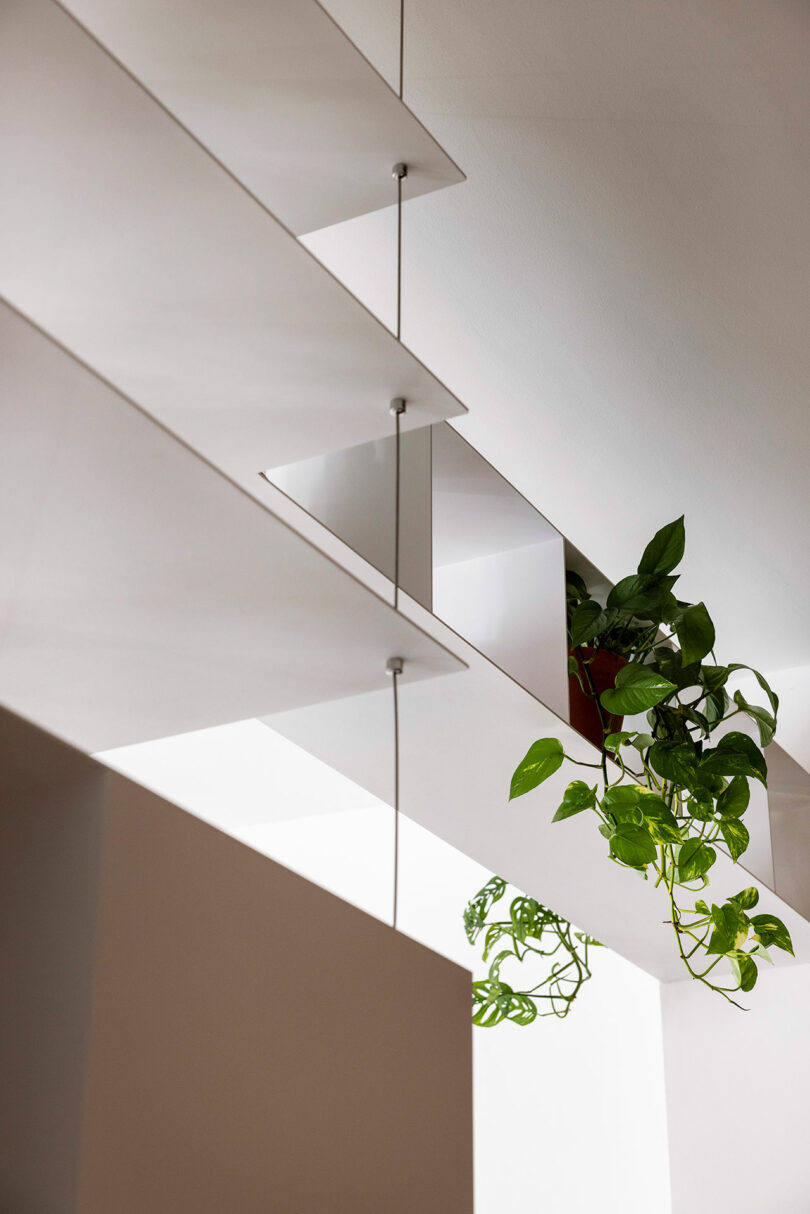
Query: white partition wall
(737,1096)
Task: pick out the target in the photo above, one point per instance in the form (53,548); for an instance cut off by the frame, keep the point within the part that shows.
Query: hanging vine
(532,931)
(666,797)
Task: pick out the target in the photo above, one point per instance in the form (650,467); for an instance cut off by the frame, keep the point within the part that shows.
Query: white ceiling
(619,292)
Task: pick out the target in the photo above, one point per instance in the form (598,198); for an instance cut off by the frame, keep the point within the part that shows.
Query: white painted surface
(353,493)
(565,1111)
(498,570)
(511,606)
(475,511)
(619,292)
(737,1102)
(281,96)
(789,816)
(143,593)
(792,685)
(122,238)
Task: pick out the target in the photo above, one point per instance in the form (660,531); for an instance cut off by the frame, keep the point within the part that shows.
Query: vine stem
(675,912)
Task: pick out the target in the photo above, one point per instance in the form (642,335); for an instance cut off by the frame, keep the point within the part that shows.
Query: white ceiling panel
(144,594)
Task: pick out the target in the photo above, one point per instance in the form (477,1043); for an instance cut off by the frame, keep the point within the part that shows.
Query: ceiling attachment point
(394,666)
(397,406)
(399,170)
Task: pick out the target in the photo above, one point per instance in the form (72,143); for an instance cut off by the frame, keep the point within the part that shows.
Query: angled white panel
(281,96)
(354,494)
(143,593)
(499,570)
(124,239)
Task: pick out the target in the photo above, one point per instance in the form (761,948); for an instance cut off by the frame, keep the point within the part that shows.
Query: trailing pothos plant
(531,931)
(667,795)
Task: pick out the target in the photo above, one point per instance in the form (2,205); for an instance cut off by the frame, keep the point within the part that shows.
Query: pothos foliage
(530,931)
(666,797)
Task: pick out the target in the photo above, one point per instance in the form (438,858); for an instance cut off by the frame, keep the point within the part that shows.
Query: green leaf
(542,759)
(733,802)
(632,845)
(614,740)
(637,689)
(575,586)
(660,820)
(736,755)
(642,741)
(578,796)
(715,784)
(526,915)
(621,803)
(665,549)
(641,595)
(587,620)
(716,706)
(745,972)
(730,929)
(494,1001)
(574,671)
(765,721)
(714,677)
(676,761)
(695,859)
(759,950)
(771,930)
(773,698)
(695,632)
(746,898)
(701,805)
(479,907)
(494,933)
(736,836)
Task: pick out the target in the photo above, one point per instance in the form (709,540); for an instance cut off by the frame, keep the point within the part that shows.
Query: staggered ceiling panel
(122,237)
(143,593)
(281,96)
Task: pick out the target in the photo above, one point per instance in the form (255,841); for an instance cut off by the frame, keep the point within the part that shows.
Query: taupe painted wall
(50,820)
(257,1044)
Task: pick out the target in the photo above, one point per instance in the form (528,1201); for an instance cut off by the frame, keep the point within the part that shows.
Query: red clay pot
(583,711)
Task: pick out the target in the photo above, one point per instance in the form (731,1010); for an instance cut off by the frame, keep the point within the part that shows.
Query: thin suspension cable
(394,679)
(397,496)
(399,171)
(399,258)
(394,667)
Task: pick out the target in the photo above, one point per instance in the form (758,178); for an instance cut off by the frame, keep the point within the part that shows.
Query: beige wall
(50,814)
(257,1044)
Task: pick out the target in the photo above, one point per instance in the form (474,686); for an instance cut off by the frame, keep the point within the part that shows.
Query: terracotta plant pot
(584,714)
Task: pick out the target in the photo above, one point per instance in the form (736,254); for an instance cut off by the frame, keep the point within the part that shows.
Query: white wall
(738,1095)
